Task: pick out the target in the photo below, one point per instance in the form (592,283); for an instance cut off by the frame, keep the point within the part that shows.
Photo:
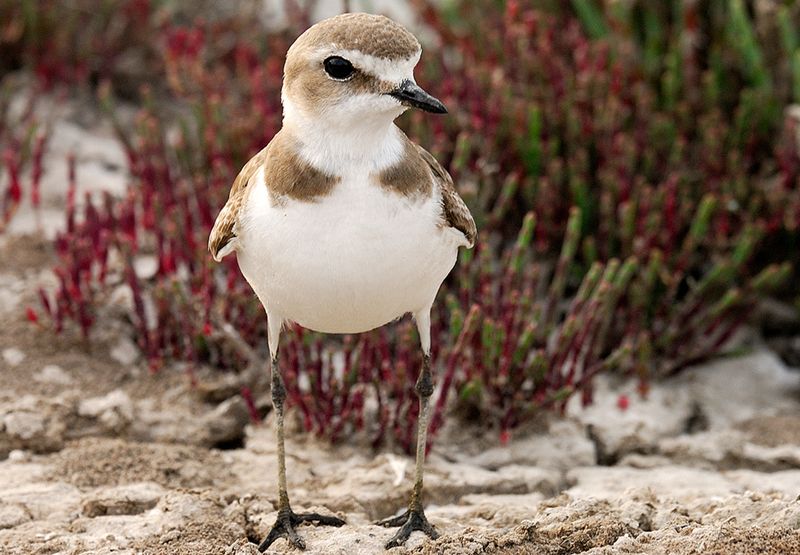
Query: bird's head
(354,68)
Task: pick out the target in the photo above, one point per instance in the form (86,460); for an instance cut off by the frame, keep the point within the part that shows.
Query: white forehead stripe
(385,69)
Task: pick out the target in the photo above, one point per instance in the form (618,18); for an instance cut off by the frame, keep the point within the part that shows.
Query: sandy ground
(80,475)
(98,456)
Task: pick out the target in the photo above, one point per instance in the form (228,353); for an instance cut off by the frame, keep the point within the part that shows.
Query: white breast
(349,262)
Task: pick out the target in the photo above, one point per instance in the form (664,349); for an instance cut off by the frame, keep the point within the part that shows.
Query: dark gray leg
(287,520)
(414,518)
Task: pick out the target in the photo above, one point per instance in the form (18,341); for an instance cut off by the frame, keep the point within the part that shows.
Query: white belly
(351,262)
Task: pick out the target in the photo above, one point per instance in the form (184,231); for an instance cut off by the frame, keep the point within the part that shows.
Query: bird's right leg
(414,518)
(287,519)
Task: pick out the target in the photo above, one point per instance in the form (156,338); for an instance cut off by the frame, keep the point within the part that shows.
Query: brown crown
(374,35)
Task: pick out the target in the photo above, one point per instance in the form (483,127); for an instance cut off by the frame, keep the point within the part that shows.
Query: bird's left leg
(414,518)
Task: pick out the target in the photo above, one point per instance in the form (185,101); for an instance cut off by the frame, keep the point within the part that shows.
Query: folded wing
(455,213)
(222,240)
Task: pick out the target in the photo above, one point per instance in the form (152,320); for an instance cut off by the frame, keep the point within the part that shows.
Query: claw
(286,522)
(409,521)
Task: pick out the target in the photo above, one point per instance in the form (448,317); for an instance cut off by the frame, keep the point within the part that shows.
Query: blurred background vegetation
(633,167)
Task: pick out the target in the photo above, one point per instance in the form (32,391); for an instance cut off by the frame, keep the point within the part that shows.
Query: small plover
(342,224)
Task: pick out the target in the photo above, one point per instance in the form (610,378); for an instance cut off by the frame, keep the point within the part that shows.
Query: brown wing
(454,212)
(222,240)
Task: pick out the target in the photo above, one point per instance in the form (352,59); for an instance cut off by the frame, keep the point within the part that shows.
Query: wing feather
(454,212)
(222,239)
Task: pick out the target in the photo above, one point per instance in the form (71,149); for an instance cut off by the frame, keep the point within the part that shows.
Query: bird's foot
(288,520)
(409,521)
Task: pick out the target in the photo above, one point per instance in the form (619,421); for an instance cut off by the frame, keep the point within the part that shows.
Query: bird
(342,224)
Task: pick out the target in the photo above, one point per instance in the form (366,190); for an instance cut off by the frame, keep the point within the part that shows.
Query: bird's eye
(338,68)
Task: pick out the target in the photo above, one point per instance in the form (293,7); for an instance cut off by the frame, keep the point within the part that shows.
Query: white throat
(339,146)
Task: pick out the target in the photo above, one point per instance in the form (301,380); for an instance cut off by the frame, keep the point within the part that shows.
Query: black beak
(410,94)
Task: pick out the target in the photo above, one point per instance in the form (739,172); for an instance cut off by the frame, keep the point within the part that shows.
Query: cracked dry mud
(731,487)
